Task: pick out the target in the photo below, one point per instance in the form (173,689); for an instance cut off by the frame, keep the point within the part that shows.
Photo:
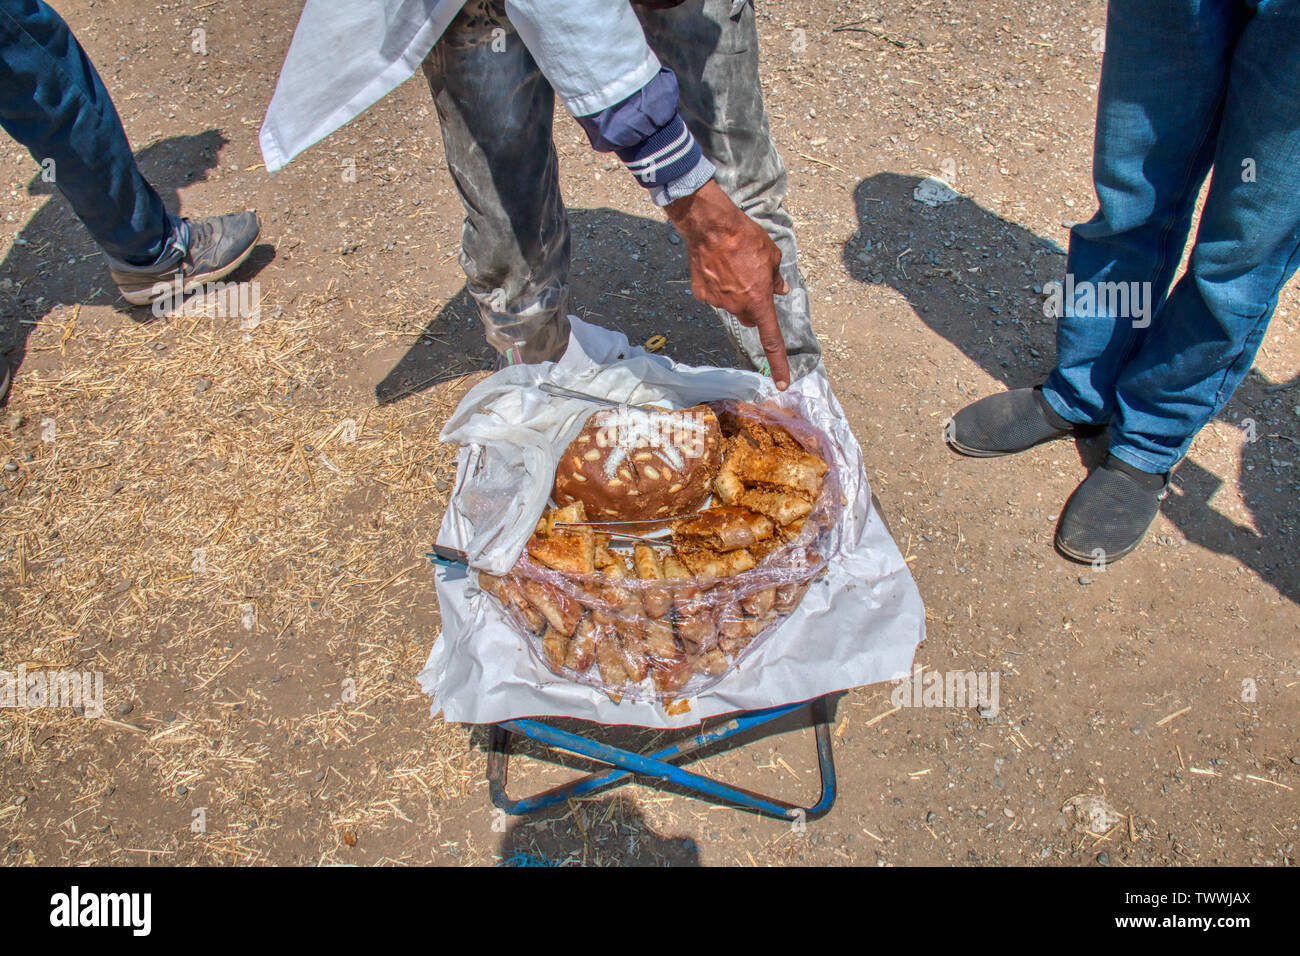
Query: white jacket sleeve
(593,52)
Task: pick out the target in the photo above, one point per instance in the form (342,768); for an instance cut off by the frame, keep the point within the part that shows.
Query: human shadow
(627,273)
(610,831)
(976,279)
(53,261)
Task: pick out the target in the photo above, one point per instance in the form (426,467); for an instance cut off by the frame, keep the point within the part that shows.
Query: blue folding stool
(659,766)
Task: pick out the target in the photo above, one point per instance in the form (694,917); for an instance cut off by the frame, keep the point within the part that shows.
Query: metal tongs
(602,525)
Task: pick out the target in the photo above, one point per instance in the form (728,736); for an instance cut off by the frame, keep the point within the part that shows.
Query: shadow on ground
(627,274)
(970,275)
(606,832)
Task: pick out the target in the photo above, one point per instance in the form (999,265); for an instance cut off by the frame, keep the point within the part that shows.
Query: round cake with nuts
(641,464)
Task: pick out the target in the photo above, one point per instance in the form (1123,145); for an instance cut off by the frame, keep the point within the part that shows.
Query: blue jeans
(1186,86)
(53,102)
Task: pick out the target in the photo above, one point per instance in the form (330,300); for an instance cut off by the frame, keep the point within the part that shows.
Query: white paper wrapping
(859,624)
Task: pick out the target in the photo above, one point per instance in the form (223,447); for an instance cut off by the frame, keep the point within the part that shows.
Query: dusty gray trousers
(495,108)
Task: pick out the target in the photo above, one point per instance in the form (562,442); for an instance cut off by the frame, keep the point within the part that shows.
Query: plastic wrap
(651,627)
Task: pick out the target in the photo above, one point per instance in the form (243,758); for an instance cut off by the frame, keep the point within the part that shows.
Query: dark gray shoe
(214,247)
(6,379)
(1006,423)
(1109,513)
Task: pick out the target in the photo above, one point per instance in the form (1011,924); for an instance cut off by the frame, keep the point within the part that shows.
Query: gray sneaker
(212,248)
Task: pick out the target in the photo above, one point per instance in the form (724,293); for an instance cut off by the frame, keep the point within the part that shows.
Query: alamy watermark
(1088,300)
(241,299)
(956,689)
(61,688)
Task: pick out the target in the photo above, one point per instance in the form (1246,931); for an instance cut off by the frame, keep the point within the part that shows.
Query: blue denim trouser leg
(53,102)
(1185,85)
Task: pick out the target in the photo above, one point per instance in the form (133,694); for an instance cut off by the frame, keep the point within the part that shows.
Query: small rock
(125,708)
(931,817)
(1084,580)
(1008,813)
(1103,858)
(17,420)
(933,191)
(10,466)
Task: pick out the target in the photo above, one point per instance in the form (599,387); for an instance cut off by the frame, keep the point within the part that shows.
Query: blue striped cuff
(684,185)
(668,154)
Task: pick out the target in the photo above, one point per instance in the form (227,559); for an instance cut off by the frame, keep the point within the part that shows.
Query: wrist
(706,210)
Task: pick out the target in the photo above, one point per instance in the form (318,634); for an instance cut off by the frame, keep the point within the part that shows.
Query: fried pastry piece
(572,552)
(660,643)
(602,556)
(710,565)
(780,467)
(560,610)
(781,507)
(759,602)
(731,623)
(555,646)
(514,598)
(625,603)
(633,656)
(756,625)
(743,420)
(694,616)
(723,529)
(790,531)
(581,653)
(657,601)
(574,511)
(732,646)
(712,661)
(789,595)
(492,585)
(671,677)
(726,483)
(609,661)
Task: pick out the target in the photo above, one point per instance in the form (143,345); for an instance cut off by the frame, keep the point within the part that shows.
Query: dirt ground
(229,517)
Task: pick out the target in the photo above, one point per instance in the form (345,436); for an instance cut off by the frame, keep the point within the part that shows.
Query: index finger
(763,317)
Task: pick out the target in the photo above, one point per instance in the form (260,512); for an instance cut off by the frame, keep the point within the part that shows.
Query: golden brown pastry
(710,565)
(657,601)
(781,507)
(728,528)
(581,653)
(555,646)
(560,610)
